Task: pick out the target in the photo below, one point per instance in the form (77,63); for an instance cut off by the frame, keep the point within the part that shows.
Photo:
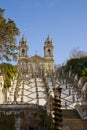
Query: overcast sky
(64,20)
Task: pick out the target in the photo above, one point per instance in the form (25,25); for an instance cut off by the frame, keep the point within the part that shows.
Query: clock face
(23,51)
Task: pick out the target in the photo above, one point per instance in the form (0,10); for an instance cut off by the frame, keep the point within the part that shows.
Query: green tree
(9,72)
(78,66)
(8,33)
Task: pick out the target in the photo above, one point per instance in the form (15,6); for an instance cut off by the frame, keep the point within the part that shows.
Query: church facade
(30,84)
(35,64)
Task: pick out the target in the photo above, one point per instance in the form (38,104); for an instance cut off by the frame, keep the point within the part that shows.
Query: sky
(65,21)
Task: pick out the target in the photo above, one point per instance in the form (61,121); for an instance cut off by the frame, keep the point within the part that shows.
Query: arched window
(36,66)
(23,51)
(49,52)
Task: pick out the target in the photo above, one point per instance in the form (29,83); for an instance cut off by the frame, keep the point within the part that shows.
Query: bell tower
(49,54)
(23,48)
(48,49)
(23,57)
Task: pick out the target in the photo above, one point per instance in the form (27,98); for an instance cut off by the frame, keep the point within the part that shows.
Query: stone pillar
(17,123)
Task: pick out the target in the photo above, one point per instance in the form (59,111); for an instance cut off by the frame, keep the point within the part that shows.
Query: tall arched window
(49,52)
(23,51)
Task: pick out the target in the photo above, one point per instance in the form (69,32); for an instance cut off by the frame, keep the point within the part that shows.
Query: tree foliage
(78,66)
(8,33)
(9,72)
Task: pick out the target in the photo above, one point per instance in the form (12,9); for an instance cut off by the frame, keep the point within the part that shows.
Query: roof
(36,58)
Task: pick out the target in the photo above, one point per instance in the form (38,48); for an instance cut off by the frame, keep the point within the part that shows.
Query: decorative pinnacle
(48,38)
(23,38)
(35,52)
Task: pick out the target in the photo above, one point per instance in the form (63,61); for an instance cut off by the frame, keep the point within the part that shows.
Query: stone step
(72,120)
(72,114)
(75,124)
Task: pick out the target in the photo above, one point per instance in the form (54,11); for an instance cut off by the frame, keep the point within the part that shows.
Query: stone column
(17,123)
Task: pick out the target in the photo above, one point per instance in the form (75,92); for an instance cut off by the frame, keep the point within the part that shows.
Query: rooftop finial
(48,38)
(35,52)
(23,38)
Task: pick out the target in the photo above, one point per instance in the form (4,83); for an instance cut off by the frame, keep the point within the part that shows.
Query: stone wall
(22,117)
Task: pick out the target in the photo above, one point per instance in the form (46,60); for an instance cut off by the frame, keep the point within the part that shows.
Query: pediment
(36,58)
